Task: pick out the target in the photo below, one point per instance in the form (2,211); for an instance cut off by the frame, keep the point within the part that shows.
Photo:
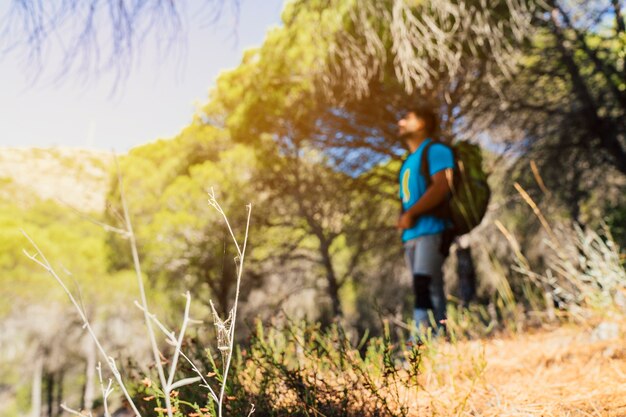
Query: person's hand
(405,221)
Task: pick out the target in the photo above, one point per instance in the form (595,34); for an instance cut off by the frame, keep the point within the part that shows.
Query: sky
(156,100)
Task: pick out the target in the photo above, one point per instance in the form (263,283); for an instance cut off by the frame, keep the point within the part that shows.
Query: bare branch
(171,338)
(74,412)
(110,361)
(229,325)
(105,391)
(99,36)
(142,292)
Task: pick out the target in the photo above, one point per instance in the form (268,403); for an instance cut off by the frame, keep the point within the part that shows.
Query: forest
(251,264)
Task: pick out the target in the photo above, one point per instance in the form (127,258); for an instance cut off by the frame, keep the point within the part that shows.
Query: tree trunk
(331,277)
(589,112)
(35,402)
(90,374)
(619,19)
(59,393)
(50,394)
(606,69)
(222,283)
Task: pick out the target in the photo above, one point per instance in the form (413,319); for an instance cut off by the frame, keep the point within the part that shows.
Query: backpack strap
(441,211)
(425,164)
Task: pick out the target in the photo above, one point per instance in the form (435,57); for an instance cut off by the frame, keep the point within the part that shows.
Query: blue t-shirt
(413,186)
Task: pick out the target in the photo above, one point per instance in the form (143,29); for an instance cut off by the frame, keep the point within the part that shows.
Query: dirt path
(567,371)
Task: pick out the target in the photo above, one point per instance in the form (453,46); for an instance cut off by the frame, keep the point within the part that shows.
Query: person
(423,235)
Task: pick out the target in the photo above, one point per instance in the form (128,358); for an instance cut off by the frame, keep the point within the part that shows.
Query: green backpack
(469,188)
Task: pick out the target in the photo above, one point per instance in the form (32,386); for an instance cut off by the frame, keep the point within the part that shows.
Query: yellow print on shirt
(406,193)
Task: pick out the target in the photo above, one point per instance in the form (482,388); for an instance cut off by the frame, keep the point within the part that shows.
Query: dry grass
(560,372)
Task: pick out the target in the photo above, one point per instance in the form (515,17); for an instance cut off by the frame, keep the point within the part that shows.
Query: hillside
(76,177)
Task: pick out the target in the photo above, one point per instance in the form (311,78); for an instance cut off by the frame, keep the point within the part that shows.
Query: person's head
(417,122)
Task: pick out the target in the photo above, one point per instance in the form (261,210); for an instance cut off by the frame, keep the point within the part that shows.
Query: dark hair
(429,117)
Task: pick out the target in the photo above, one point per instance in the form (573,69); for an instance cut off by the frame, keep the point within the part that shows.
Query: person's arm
(434,195)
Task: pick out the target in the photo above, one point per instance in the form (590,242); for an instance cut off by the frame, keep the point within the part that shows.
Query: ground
(570,370)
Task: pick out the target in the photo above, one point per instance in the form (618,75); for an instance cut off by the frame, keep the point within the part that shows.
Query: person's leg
(428,277)
(438,297)
(421,297)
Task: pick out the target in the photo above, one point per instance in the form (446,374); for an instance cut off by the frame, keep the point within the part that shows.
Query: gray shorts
(423,255)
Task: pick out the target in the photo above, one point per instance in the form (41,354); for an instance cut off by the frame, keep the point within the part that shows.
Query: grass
(299,369)
(550,358)
(485,366)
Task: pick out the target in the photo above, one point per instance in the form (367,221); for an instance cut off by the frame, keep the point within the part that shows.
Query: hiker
(424,235)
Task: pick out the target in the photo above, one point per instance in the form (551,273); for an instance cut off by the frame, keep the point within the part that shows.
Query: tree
(568,102)
(337,221)
(40,342)
(182,244)
(345,71)
(333,81)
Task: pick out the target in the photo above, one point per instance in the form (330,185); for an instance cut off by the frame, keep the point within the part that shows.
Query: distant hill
(76,177)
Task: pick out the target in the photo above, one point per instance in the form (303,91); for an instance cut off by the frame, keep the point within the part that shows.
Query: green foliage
(568,102)
(71,243)
(277,80)
(616,221)
(151,400)
(182,244)
(304,208)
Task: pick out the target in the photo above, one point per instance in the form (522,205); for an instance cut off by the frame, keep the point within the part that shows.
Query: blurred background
(293,108)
